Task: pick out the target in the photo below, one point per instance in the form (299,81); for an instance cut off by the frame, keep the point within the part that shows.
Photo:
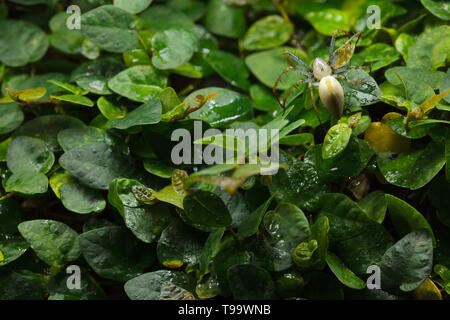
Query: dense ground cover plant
(88,182)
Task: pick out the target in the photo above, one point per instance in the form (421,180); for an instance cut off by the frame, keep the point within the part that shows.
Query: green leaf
(21,43)
(408,262)
(405,218)
(179,245)
(29,154)
(347,220)
(377,55)
(78,198)
(70,98)
(148,286)
(47,128)
(366,249)
(89,288)
(172,48)
(207,209)
(220,111)
(374,205)
(299,185)
(225,20)
(110,28)
(148,113)
(250,224)
(209,250)
(97,164)
(328,20)
(268,32)
(11,249)
(413,169)
(288,224)
(160,18)
(111,108)
(439,9)
(158,168)
(336,140)
(79,136)
(229,67)
(356,95)
(93,76)
(69,87)
(30,285)
(445,85)
(11,117)
(139,83)
(431,49)
(409,74)
(250,282)
(344,274)
(54,242)
(115,254)
(26,182)
(133,7)
(268,65)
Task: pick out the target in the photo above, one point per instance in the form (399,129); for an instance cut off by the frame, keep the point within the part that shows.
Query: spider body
(324,74)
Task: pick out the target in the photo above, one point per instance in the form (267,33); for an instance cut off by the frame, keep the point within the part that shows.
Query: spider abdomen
(332,96)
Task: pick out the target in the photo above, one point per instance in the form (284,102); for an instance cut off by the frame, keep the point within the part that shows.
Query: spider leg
(274,89)
(289,55)
(314,105)
(295,86)
(354,81)
(333,41)
(334,57)
(343,69)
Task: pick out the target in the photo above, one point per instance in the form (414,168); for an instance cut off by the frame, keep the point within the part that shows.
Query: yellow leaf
(1,256)
(384,139)
(430,103)
(6,100)
(427,291)
(389,116)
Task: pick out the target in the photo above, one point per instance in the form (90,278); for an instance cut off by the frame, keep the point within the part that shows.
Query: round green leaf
(439,9)
(413,169)
(111,108)
(406,218)
(93,76)
(26,153)
(230,67)
(148,113)
(268,65)
(139,83)
(225,20)
(328,20)
(26,182)
(270,31)
(114,253)
(172,48)
(11,117)
(148,286)
(299,185)
(97,164)
(336,140)
(47,128)
(110,28)
(160,18)
(179,244)
(78,198)
(53,242)
(12,248)
(133,7)
(21,43)
(408,262)
(228,107)
(207,209)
